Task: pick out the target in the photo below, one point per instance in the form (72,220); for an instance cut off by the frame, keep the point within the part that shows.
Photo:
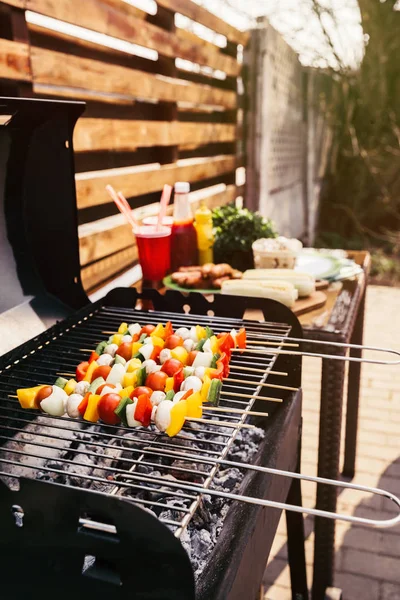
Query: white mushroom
(183,332)
(163,415)
(127,339)
(104,360)
(73,402)
(165,354)
(157,397)
(82,387)
(151,366)
(189,345)
(111,349)
(191,383)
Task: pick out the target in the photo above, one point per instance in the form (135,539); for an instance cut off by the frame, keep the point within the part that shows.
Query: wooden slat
(136,181)
(128,9)
(120,135)
(108,267)
(59,69)
(14,61)
(16,3)
(99,239)
(124,25)
(201,15)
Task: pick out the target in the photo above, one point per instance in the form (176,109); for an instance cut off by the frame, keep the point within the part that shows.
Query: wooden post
(14,27)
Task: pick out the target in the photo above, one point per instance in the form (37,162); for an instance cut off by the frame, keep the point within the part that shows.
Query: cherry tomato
(147,329)
(171,366)
(42,394)
(191,357)
(125,350)
(140,391)
(81,370)
(156,381)
(103,372)
(101,388)
(106,407)
(173,341)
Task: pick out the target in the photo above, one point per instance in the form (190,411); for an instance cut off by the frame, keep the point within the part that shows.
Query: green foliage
(237,228)
(384,268)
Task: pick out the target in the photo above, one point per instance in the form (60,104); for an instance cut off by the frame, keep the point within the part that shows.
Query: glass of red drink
(154,247)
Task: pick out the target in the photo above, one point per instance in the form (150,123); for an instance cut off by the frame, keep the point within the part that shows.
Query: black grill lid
(38,234)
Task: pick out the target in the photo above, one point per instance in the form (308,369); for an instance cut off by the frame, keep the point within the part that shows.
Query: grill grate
(117,460)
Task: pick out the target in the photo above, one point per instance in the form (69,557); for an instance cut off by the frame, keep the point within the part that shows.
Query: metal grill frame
(62,334)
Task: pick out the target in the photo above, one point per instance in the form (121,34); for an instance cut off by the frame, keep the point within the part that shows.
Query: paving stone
(390,591)
(366,559)
(355,587)
(371,565)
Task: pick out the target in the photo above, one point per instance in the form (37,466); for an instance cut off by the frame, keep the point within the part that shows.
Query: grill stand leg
(328,466)
(295,541)
(353,396)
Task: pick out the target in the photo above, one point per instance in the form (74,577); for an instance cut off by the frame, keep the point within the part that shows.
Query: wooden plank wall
(148,121)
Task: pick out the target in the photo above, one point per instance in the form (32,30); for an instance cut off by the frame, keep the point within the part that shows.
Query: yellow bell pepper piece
(214,344)
(195,406)
(180,353)
(129,379)
(70,386)
(132,365)
(200,332)
(91,413)
(136,348)
(158,341)
(169,384)
(206,387)
(117,339)
(26,396)
(89,373)
(178,417)
(123,328)
(159,331)
(126,392)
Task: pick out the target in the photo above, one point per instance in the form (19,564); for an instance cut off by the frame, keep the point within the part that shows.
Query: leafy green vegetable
(237,228)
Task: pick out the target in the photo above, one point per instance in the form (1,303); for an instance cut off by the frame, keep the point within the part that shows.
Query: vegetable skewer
(149,374)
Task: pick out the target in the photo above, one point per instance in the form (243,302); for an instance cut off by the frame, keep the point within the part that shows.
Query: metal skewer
(269,385)
(330,356)
(239,411)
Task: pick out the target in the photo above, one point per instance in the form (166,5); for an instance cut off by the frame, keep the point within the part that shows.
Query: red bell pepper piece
(226,343)
(83,405)
(93,356)
(81,370)
(168,329)
(143,410)
(179,378)
(224,359)
(241,338)
(156,353)
(135,338)
(217,373)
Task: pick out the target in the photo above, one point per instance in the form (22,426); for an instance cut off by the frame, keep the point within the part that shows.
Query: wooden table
(340,320)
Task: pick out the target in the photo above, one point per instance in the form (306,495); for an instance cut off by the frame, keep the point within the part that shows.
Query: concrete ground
(367,560)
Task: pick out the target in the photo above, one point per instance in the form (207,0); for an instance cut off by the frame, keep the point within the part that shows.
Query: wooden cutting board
(313,302)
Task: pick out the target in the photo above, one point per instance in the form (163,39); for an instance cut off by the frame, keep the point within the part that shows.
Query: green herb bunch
(237,228)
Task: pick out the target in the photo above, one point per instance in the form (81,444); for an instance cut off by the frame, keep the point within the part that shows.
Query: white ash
(202,533)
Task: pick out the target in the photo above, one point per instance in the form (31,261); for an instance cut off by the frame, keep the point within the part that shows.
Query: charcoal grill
(72,494)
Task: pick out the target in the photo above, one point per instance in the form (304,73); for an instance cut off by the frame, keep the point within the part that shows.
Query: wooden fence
(150,119)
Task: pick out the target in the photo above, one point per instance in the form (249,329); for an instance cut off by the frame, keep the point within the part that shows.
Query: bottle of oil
(205,235)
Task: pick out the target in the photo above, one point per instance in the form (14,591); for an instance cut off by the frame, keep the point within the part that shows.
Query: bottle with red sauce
(184,251)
